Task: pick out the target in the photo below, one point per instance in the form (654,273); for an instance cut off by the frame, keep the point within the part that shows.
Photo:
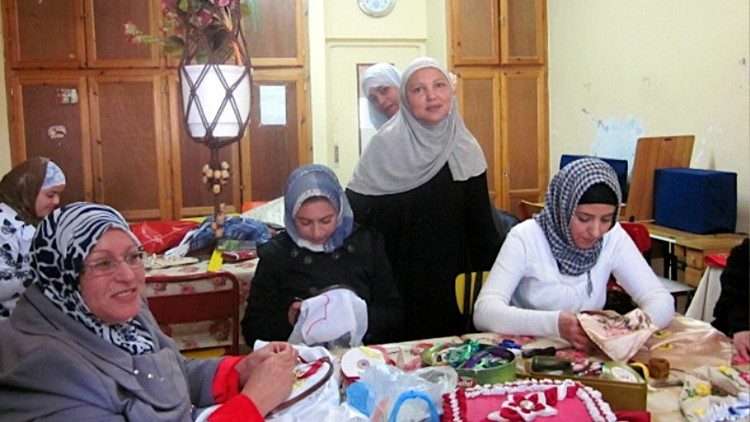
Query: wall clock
(376,8)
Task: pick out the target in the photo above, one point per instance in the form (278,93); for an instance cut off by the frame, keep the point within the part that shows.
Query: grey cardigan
(53,368)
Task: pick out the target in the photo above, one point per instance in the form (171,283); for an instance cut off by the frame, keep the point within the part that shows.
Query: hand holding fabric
(256,358)
(293,312)
(269,375)
(741,342)
(571,330)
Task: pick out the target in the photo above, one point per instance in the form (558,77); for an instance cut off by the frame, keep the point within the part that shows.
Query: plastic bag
(236,227)
(158,236)
(388,393)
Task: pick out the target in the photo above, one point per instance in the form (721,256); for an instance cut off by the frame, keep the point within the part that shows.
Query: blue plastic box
(695,200)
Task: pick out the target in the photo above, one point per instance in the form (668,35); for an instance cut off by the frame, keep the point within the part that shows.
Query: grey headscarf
(317,180)
(380,74)
(406,153)
(564,193)
(62,241)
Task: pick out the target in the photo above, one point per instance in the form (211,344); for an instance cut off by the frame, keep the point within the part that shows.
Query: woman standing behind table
(82,345)
(380,84)
(421,182)
(29,192)
(321,247)
(557,264)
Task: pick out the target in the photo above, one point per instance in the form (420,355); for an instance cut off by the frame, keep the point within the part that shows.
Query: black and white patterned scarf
(62,241)
(563,194)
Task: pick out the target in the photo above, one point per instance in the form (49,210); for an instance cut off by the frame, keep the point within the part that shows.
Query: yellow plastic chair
(467,290)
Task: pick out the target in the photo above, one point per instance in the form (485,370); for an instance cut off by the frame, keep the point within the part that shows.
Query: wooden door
(286,20)
(475,37)
(191,197)
(523,33)
(105,40)
(525,152)
(45,34)
(131,162)
(50,118)
(276,148)
(479,99)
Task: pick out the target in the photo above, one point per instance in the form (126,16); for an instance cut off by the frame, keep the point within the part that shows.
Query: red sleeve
(238,408)
(226,383)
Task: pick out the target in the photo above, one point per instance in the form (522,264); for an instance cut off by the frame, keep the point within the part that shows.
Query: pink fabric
(717,259)
(618,336)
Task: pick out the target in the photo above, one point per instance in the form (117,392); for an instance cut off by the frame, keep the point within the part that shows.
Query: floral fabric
(15,272)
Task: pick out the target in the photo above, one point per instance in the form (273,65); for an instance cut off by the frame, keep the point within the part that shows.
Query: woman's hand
(269,381)
(571,330)
(741,342)
(257,357)
(293,312)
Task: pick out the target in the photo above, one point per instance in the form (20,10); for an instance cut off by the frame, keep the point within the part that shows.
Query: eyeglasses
(106,264)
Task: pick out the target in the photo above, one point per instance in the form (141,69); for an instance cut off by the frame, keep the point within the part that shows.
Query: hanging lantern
(215,74)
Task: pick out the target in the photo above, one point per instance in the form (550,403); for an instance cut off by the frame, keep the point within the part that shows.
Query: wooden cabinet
(498,52)
(49,117)
(109,112)
(523,140)
(691,253)
(78,33)
(128,144)
(523,32)
(488,32)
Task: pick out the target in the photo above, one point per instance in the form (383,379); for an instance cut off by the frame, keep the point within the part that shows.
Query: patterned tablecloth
(210,333)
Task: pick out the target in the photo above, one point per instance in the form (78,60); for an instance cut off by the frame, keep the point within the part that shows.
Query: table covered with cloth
(688,344)
(207,334)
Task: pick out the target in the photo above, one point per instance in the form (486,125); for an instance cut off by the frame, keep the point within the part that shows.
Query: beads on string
(214,179)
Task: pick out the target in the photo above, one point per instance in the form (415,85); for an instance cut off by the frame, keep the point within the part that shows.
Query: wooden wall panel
(131,166)
(42,110)
(52,24)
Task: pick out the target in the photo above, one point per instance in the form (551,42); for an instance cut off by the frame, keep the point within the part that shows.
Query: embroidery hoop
(296,397)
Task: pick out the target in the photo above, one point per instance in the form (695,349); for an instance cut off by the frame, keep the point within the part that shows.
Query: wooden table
(687,251)
(662,402)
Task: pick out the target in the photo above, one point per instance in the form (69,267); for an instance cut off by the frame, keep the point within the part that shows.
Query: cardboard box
(619,395)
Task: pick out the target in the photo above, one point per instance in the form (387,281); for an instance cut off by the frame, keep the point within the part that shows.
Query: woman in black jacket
(321,247)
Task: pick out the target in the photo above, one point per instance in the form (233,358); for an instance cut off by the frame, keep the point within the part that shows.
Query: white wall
(680,66)
(344,36)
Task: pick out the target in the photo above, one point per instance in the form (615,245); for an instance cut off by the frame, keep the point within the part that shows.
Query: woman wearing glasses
(82,344)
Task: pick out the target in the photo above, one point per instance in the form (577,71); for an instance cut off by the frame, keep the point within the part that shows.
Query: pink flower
(221,3)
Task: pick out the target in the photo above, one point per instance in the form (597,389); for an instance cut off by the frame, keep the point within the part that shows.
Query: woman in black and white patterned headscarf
(557,264)
(81,344)
(61,246)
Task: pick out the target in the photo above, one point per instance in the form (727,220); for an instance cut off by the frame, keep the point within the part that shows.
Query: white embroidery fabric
(330,316)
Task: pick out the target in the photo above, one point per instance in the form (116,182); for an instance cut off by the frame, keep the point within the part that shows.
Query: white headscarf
(380,74)
(407,153)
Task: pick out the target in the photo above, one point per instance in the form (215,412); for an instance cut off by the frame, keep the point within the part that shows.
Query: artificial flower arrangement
(211,25)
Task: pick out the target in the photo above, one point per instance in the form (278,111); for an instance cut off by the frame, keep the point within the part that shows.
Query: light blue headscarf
(316,180)
(380,74)
(53,176)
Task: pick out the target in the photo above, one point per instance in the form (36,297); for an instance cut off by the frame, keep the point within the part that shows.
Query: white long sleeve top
(525,291)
